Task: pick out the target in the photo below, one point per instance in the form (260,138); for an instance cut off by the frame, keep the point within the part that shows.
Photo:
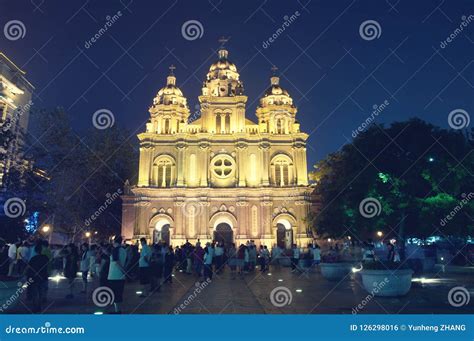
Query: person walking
(12,257)
(117,272)
(156,264)
(70,267)
(37,275)
(144,267)
(168,266)
(232,259)
(295,258)
(241,260)
(208,257)
(316,252)
(85,266)
(219,257)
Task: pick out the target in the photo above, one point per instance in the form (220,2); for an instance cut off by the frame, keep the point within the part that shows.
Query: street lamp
(88,234)
(379,233)
(45,228)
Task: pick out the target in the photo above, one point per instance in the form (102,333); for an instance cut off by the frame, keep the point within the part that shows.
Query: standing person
(316,251)
(246,258)
(12,256)
(37,274)
(117,272)
(156,264)
(264,258)
(188,251)
(144,266)
(295,258)
(92,260)
(168,266)
(208,262)
(85,265)
(252,256)
(241,260)
(70,267)
(104,265)
(22,257)
(232,259)
(198,259)
(219,257)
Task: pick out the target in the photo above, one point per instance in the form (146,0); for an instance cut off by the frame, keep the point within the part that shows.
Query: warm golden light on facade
(219,174)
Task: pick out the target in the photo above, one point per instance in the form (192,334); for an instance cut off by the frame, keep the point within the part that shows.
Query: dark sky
(334,76)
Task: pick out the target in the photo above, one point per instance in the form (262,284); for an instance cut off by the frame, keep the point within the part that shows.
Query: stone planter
(9,293)
(387,282)
(335,271)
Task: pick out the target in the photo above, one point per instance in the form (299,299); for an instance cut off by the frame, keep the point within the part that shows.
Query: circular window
(222,166)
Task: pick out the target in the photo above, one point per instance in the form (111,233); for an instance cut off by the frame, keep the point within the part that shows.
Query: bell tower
(223,100)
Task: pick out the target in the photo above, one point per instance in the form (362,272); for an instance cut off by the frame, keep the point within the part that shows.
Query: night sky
(334,76)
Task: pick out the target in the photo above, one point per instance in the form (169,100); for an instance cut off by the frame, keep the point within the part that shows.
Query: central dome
(222,80)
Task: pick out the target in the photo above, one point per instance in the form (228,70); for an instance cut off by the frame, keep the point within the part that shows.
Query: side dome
(170,94)
(275,94)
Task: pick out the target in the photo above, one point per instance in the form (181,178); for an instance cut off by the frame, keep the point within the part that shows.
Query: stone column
(241,162)
(181,164)
(265,149)
(204,158)
(144,166)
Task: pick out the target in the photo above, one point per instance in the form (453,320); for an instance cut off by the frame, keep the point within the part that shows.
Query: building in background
(15,103)
(219,175)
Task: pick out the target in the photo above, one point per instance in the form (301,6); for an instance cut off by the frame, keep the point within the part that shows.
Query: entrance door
(284,237)
(162,234)
(223,233)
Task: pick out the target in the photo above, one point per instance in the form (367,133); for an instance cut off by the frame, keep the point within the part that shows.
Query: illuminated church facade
(221,176)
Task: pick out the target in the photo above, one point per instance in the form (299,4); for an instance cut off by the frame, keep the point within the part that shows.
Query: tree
(416,172)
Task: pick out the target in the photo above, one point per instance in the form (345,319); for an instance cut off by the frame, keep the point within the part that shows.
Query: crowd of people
(116,263)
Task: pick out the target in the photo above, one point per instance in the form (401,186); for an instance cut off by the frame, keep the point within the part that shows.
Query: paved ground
(310,293)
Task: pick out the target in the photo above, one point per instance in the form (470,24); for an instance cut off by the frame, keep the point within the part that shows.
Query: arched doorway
(161,232)
(223,234)
(284,235)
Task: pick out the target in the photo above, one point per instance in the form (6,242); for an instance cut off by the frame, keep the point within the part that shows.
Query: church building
(221,176)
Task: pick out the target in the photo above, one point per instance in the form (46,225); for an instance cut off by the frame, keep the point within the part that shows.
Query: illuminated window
(222,166)
(163,172)
(167,128)
(282,171)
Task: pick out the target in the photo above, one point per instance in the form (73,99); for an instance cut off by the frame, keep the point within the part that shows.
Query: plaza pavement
(309,292)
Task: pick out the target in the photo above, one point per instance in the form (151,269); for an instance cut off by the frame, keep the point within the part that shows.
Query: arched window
(163,172)
(279,125)
(227,123)
(218,124)
(282,171)
(166,129)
